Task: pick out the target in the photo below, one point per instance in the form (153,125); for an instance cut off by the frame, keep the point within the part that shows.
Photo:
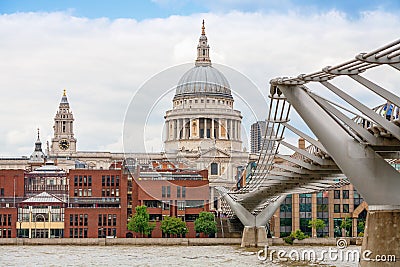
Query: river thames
(153,256)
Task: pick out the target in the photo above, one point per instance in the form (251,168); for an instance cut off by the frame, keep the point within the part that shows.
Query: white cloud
(101,62)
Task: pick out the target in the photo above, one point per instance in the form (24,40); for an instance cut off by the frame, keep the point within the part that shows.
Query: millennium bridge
(353,143)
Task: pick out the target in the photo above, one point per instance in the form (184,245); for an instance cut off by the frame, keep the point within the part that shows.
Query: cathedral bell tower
(63,143)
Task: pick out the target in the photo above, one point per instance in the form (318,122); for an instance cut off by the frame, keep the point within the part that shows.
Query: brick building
(97,205)
(48,202)
(170,191)
(11,192)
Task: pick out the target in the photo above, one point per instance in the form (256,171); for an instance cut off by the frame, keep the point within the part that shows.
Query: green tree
(346,225)
(173,226)
(298,234)
(139,222)
(361,228)
(205,223)
(316,224)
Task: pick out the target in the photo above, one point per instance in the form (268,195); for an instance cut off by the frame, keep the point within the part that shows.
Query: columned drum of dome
(203,116)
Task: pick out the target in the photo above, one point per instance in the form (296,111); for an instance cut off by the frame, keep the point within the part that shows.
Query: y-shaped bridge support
(254,233)
(374,178)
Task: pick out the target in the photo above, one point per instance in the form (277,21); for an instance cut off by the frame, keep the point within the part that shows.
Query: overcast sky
(101,52)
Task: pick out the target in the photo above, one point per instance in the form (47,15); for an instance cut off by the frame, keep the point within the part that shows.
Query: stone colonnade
(195,128)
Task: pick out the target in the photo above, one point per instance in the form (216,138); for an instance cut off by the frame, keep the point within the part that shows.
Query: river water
(155,256)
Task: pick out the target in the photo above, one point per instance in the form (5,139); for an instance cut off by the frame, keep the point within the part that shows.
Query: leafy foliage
(173,226)
(288,240)
(346,225)
(205,223)
(317,224)
(361,226)
(139,222)
(298,234)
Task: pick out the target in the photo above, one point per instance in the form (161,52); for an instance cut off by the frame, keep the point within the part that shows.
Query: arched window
(214,168)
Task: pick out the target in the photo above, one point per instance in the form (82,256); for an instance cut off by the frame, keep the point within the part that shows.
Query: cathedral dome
(202,119)
(203,81)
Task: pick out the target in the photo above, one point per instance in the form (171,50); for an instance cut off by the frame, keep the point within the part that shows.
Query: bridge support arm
(372,176)
(266,214)
(241,212)
(376,180)
(254,233)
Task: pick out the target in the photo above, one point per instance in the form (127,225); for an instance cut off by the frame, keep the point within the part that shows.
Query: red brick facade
(95,193)
(10,180)
(179,198)
(98,203)
(94,222)
(11,191)
(8,219)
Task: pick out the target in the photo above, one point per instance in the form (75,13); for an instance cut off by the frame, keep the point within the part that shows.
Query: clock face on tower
(63,144)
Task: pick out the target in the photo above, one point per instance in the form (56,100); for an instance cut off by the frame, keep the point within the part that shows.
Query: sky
(102,52)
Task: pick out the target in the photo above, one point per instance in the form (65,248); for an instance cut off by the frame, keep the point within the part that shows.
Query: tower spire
(37,157)
(64,99)
(203,49)
(38,143)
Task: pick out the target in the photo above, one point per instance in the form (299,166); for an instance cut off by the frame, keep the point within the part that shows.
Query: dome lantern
(203,50)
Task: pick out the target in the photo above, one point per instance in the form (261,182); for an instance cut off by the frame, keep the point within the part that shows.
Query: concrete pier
(254,236)
(381,238)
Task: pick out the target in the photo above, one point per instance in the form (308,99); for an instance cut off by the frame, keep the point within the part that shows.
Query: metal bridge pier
(376,180)
(254,232)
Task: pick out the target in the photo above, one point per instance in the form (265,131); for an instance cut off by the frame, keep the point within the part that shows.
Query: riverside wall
(167,241)
(122,241)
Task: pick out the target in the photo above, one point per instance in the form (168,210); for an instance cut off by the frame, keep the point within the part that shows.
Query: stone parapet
(121,241)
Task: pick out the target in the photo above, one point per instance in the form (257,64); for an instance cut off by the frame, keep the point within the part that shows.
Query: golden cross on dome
(203,29)
(65,93)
